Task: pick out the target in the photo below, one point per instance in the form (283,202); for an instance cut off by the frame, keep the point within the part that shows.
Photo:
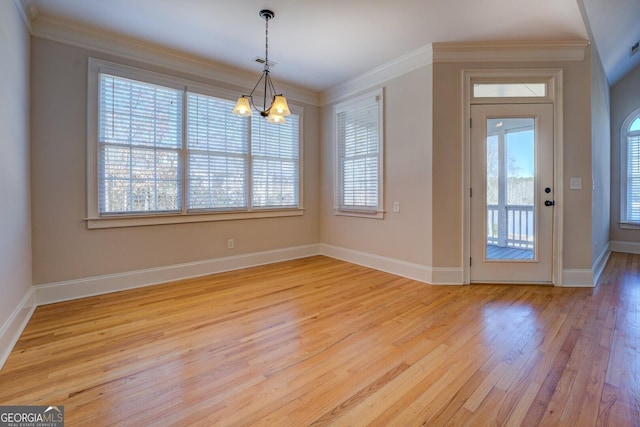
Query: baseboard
(447,276)
(626,247)
(91,286)
(600,263)
(15,324)
(578,278)
(419,272)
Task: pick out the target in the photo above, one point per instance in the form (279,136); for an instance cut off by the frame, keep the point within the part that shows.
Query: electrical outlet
(231,243)
(396,206)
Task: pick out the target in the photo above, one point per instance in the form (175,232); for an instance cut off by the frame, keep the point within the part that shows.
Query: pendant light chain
(267,79)
(266,43)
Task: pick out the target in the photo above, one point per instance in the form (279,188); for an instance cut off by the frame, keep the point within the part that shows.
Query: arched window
(630,169)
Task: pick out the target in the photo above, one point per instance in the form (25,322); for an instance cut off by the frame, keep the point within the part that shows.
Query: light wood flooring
(323,342)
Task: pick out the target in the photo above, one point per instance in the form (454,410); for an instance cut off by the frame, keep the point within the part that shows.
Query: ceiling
(320,44)
(615,27)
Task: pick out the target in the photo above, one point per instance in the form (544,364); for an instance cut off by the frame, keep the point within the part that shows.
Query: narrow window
(359,148)
(630,168)
(275,163)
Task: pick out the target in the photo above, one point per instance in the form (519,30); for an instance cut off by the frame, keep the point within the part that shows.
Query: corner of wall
(12,328)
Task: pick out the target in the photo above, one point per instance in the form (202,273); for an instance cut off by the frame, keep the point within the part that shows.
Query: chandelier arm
(272,89)
(256,86)
(253,104)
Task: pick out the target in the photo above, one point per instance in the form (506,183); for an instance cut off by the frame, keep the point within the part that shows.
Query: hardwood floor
(323,342)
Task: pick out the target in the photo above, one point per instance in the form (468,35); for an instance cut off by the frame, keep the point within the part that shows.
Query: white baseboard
(15,324)
(419,272)
(98,285)
(447,276)
(600,263)
(626,247)
(578,278)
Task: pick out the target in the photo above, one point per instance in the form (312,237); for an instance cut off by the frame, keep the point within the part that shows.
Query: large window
(172,150)
(359,156)
(139,147)
(630,170)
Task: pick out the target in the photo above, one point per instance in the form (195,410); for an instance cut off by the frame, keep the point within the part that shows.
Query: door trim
(554,78)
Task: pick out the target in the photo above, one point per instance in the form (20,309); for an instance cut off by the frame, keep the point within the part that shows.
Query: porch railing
(512,227)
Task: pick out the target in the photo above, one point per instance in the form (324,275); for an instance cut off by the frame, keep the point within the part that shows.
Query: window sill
(360,214)
(144,220)
(630,225)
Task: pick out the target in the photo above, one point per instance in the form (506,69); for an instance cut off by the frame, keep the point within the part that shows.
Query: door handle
(549,202)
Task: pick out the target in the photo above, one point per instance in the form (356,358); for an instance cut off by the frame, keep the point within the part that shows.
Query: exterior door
(512,203)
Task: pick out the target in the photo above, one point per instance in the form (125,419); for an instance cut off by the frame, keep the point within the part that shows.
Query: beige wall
(427,172)
(625,98)
(423,173)
(601,155)
(63,247)
(447,155)
(15,232)
(404,235)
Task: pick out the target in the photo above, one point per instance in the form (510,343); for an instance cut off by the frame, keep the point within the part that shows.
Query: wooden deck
(501,252)
(322,342)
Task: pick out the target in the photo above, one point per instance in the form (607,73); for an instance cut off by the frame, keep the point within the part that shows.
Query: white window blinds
(217,146)
(275,163)
(359,154)
(139,147)
(630,209)
(161,149)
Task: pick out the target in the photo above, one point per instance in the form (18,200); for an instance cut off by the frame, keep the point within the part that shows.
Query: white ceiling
(615,26)
(319,44)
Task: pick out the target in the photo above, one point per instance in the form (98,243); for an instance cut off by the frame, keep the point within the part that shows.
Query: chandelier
(277,108)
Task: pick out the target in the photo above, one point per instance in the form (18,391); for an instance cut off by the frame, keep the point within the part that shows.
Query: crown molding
(525,51)
(125,47)
(419,58)
(28,10)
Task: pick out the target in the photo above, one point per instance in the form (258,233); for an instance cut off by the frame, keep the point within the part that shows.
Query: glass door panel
(510,189)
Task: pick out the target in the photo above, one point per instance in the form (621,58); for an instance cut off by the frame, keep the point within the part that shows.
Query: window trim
(624,156)
(378,212)
(95,220)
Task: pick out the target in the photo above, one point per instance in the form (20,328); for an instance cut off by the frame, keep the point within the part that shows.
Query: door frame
(553,80)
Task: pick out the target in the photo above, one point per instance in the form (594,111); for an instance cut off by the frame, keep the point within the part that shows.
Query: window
(275,166)
(139,147)
(359,152)
(218,155)
(164,150)
(509,90)
(630,170)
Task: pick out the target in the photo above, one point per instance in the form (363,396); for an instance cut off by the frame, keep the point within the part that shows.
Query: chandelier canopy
(277,109)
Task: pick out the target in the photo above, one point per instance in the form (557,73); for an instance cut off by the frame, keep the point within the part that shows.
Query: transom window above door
(509,90)
(506,90)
